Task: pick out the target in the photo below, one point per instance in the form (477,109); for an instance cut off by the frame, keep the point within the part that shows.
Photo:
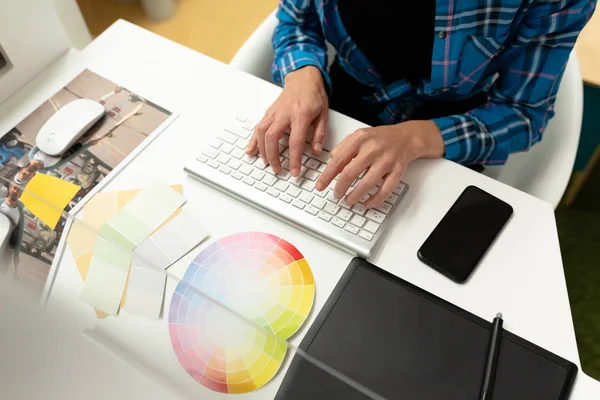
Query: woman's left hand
(384,152)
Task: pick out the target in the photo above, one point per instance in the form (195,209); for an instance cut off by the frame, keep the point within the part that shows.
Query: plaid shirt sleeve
(298,40)
(522,98)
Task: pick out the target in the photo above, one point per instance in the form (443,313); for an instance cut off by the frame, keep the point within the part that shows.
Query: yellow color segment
(307,300)
(244,387)
(295,274)
(296,298)
(47,196)
(267,374)
(259,365)
(306,272)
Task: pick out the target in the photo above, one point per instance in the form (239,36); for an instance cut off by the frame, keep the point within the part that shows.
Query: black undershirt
(397,37)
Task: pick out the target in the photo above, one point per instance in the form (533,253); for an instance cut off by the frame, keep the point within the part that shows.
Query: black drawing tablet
(405,343)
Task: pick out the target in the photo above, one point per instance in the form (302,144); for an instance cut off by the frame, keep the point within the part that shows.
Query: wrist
(425,139)
(308,73)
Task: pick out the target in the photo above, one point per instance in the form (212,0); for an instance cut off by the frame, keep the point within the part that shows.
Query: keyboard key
(359,209)
(285,164)
(260,163)
(352,229)
(286,153)
(284,174)
(227,148)
(306,196)
(273,192)
(331,208)
(343,204)
(296,180)
(362,174)
(313,164)
(248,159)
(281,148)
(285,140)
(223,158)
(319,203)
(269,180)
(304,158)
(250,124)
(358,220)
(398,189)
(236,129)
(393,198)
(282,186)
(324,216)
(202,158)
(365,235)
(338,222)
(311,174)
(364,198)
(241,118)
(241,144)
(308,185)
(234,164)
(322,167)
(303,170)
(331,197)
(285,198)
(215,144)
(371,226)
(375,216)
(210,152)
(237,175)
(345,215)
(260,186)
(257,174)
(379,183)
(384,208)
(322,193)
(248,181)
(238,153)
(293,191)
(227,137)
(269,170)
(373,190)
(311,210)
(225,170)
(246,169)
(213,164)
(298,204)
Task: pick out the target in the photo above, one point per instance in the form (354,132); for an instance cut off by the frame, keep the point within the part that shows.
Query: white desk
(522,276)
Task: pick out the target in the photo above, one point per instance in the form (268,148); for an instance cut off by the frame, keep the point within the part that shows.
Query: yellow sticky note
(47,196)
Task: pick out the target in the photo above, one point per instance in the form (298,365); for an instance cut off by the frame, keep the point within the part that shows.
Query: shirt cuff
(454,146)
(297,59)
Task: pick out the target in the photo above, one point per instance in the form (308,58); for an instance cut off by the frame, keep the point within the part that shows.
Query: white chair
(543,171)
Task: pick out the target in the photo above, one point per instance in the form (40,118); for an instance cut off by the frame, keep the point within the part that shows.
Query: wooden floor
(216,28)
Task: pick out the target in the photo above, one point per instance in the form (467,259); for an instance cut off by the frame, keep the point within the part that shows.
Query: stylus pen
(492,359)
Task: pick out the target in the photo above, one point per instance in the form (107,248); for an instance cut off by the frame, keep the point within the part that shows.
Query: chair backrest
(545,169)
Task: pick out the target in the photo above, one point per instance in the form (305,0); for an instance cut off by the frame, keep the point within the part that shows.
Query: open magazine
(28,241)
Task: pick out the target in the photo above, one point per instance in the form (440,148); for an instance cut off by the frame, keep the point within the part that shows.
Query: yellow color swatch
(47,196)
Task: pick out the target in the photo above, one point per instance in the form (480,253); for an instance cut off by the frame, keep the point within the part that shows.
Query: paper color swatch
(142,215)
(146,289)
(107,276)
(47,196)
(99,209)
(262,278)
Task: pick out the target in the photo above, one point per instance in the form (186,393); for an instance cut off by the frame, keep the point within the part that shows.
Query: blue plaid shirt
(515,50)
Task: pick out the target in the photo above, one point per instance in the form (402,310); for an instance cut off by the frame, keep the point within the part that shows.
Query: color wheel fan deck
(262,278)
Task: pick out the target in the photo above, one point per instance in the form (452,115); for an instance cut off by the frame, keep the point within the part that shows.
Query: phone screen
(466,232)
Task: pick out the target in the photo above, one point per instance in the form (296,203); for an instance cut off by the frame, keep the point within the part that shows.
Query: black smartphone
(464,235)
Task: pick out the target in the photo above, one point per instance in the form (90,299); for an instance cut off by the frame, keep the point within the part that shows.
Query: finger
(297,140)
(272,136)
(341,155)
(319,132)
(252,145)
(366,183)
(259,133)
(349,175)
(390,181)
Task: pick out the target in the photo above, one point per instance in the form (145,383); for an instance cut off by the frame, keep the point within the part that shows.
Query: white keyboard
(225,166)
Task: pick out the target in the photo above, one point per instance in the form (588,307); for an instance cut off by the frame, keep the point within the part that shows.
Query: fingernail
(318,147)
(295,171)
(319,187)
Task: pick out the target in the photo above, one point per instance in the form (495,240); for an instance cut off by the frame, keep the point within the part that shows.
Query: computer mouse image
(69,123)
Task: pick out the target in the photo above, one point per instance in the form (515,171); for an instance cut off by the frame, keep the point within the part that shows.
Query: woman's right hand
(302,103)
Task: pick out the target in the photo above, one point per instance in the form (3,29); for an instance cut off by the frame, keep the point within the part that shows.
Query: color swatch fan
(262,278)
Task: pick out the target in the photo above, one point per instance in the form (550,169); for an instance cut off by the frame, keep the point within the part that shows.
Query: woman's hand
(302,103)
(384,152)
